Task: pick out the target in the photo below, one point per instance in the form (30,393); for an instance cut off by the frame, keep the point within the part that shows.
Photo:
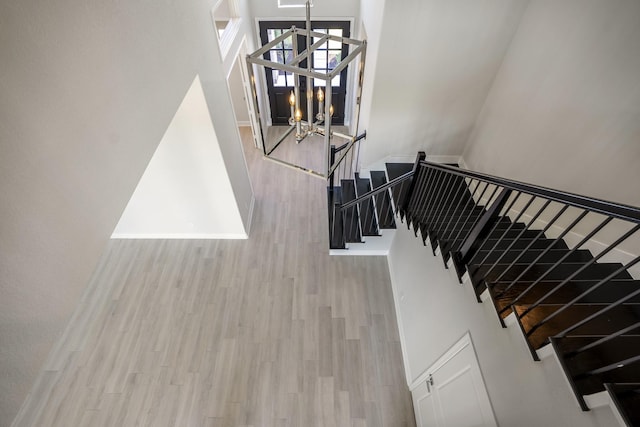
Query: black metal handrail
(616,210)
(338,166)
(346,144)
(394,182)
(377,191)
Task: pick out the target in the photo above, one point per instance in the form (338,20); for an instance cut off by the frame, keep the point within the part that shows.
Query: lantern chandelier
(321,123)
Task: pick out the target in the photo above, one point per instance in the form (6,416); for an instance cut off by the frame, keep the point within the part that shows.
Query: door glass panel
(334,58)
(319,30)
(288,43)
(276,56)
(289,79)
(320,59)
(279,78)
(335,81)
(273,34)
(334,44)
(319,82)
(288,54)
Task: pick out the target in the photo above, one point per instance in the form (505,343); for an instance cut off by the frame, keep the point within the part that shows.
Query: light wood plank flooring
(269,331)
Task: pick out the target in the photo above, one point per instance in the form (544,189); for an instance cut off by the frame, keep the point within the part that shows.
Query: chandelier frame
(321,123)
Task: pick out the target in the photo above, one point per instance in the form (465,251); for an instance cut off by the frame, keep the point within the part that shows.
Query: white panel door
(424,404)
(451,393)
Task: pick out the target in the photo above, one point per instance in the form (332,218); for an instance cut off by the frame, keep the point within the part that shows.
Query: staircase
(548,261)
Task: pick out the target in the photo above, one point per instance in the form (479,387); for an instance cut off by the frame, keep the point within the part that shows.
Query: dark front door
(280,84)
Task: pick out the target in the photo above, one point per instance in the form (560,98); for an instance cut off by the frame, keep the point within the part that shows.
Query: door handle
(429,383)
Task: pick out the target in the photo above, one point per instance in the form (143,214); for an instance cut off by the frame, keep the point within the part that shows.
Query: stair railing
(550,258)
(398,187)
(344,164)
(545,255)
(345,160)
(525,201)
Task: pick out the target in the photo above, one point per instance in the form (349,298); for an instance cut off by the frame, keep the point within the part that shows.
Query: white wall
(86,93)
(321,9)
(434,311)
(237,94)
(370,28)
(564,111)
(435,64)
(185,191)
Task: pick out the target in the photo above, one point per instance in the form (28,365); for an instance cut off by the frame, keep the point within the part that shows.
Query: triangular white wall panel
(185,191)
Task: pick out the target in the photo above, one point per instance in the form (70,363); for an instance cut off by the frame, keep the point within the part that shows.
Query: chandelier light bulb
(292,99)
(331,110)
(320,95)
(298,115)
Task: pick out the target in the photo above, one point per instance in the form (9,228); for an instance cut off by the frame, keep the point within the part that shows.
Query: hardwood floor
(269,331)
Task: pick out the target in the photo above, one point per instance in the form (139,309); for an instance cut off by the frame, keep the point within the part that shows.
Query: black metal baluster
(426,188)
(494,227)
(438,202)
(456,246)
(576,273)
(420,186)
(403,199)
(602,340)
(335,212)
(428,194)
(608,368)
(546,250)
(461,213)
(432,203)
(450,202)
(470,214)
(351,159)
(524,230)
(567,255)
(533,241)
(397,207)
(504,234)
(610,306)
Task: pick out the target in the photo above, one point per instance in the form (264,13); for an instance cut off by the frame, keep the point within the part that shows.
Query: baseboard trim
(403,339)
(358,252)
(410,158)
(444,159)
(371,245)
(209,236)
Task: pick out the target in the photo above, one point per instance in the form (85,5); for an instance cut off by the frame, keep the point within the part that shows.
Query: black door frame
(278,95)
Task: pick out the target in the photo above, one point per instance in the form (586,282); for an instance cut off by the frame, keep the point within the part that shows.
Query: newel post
(404,203)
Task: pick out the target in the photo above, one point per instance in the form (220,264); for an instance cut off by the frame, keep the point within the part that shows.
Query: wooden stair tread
(626,397)
(614,351)
(596,271)
(609,293)
(610,322)
(530,255)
